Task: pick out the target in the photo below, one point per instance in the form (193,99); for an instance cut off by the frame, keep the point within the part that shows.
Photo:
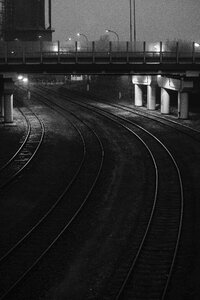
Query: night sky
(156,19)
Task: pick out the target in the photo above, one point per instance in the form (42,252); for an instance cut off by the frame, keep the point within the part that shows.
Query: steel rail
(22,145)
(181,203)
(13,176)
(55,203)
(19,280)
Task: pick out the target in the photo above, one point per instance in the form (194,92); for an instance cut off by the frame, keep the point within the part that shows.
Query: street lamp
(85,36)
(108,30)
(197,45)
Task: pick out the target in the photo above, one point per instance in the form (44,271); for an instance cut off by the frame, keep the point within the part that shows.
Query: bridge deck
(37,57)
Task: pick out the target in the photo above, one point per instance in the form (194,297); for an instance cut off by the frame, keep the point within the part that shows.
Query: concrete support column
(183,105)
(151,97)
(165,101)
(8,108)
(138,95)
(1,105)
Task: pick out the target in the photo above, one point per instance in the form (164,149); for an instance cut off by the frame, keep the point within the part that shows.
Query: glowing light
(20,77)
(55,48)
(78,34)
(197,45)
(157,48)
(25,79)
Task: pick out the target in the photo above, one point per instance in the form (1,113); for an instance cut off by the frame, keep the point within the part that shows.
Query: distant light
(12,52)
(157,48)
(16,39)
(25,79)
(196,45)
(78,34)
(39,36)
(107,30)
(20,77)
(69,39)
(55,48)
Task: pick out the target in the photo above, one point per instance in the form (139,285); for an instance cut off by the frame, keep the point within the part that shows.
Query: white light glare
(20,77)
(25,79)
(197,45)
(55,48)
(157,48)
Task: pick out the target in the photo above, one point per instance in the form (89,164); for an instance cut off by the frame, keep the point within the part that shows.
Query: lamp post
(108,30)
(85,36)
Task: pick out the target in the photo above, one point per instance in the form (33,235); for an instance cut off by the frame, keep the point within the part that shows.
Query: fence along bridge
(93,57)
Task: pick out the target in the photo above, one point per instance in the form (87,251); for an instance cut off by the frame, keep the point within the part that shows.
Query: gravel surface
(21,207)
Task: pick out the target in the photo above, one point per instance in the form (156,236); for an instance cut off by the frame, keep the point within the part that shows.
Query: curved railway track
(18,262)
(27,151)
(152,259)
(188,130)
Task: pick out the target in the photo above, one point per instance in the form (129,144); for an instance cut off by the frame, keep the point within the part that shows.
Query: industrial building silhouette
(24,20)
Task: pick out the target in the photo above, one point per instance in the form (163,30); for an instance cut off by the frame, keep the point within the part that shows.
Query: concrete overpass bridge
(144,61)
(111,58)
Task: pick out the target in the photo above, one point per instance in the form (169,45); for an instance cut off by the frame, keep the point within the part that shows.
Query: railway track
(27,151)
(188,130)
(152,259)
(19,261)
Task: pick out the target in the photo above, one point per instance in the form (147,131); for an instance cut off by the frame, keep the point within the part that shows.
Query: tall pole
(134,19)
(50,14)
(131,25)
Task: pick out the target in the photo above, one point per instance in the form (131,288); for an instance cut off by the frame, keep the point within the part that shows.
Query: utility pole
(134,19)
(49,14)
(131,25)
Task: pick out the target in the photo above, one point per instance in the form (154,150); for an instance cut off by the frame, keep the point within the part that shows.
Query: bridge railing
(96,52)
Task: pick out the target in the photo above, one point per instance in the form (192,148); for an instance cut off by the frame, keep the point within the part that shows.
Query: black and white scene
(99,150)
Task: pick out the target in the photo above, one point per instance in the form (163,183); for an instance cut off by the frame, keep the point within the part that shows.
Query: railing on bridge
(17,52)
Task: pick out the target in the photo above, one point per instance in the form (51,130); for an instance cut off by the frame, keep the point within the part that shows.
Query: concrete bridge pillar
(1,105)
(183,105)
(8,108)
(151,97)
(138,95)
(8,100)
(165,101)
